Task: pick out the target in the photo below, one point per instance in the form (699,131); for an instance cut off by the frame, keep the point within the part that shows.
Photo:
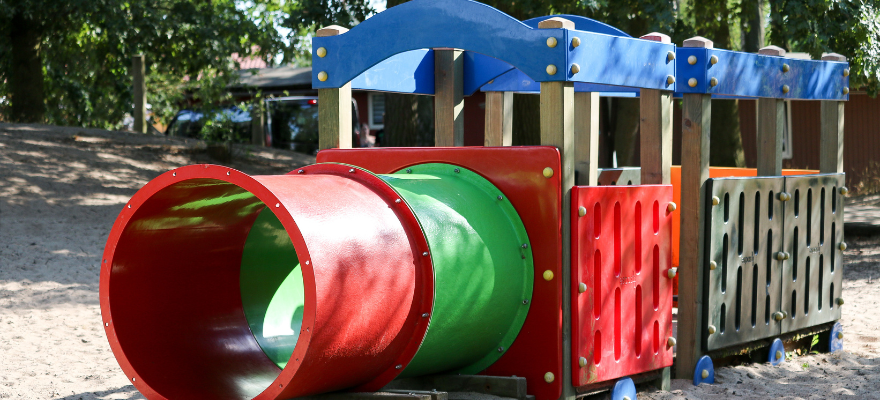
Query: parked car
(189,123)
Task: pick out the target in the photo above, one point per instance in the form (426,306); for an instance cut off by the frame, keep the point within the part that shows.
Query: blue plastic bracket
(777,352)
(704,372)
(624,388)
(835,342)
(408,72)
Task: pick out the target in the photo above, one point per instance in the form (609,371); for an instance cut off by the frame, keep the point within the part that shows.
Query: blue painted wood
(754,75)
(479,69)
(705,363)
(408,72)
(516,81)
(624,388)
(581,24)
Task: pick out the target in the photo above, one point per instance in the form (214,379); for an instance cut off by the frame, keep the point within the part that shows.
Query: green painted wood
(483,267)
(272,288)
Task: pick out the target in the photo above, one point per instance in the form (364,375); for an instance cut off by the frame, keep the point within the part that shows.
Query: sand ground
(61,189)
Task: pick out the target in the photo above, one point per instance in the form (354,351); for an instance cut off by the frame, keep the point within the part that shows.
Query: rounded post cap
(331,30)
(771,50)
(556,22)
(833,57)
(698,41)
(657,37)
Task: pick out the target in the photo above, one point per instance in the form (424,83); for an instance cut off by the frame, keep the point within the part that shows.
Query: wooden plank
(655,129)
(499,119)
(502,386)
(696,118)
(664,381)
(557,129)
(334,108)
(334,118)
(140,93)
(771,126)
(586,134)
(448,97)
(831,139)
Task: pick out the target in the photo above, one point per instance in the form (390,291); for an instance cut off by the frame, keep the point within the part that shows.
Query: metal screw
(692,82)
(351,170)
(713,60)
(500,349)
(300,172)
(692,60)
(715,200)
(457,170)
(842,246)
(582,287)
(525,245)
(322,76)
(582,361)
(397,201)
(129,206)
(551,42)
(713,265)
(670,56)
(670,79)
(307,262)
(785,68)
(277,205)
(174,174)
(106,324)
(582,211)
(398,366)
(425,315)
(713,82)
(227,173)
(575,68)
(575,42)
(846,72)
(322,52)
(409,170)
(785,89)
(500,197)
(425,254)
(711,329)
(551,69)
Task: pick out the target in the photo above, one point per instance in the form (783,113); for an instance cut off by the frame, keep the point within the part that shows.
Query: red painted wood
(621,251)
(169,288)
(517,172)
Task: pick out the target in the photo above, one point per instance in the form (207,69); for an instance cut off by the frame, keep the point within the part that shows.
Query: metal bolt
(129,206)
(670,79)
(846,72)
(711,329)
(713,265)
(671,207)
(575,68)
(500,349)
(425,254)
(526,301)
(525,245)
(575,42)
(227,173)
(842,246)
(456,170)
(582,361)
(671,272)
(715,200)
(840,301)
(787,255)
(785,89)
(322,76)
(397,201)
(785,68)
(548,172)
(500,197)
(840,335)
(398,366)
(778,316)
(174,174)
(582,287)
(582,211)
(845,90)
(300,171)
(844,191)
(780,256)
(425,315)
(784,196)
(322,52)
(779,354)
(409,170)
(351,170)
(705,373)
(551,42)
(551,69)
(548,275)
(106,324)
(277,205)
(671,342)
(692,60)
(692,82)
(549,377)
(307,262)
(626,398)
(713,82)
(670,56)
(713,60)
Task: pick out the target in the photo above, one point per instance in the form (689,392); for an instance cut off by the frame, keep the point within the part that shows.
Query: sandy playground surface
(61,189)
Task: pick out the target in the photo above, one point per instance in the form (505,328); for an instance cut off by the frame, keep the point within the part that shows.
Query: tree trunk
(752,24)
(26,76)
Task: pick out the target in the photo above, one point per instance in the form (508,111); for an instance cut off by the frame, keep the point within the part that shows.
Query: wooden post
(655,129)
(771,127)
(138,71)
(557,129)
(334,108)
(586,138)
(831,148)
(448,97)
(499,119)
(696,118)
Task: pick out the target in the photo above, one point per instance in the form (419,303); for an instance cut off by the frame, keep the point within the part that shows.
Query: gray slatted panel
(803,214)
(620,176)
(724,295)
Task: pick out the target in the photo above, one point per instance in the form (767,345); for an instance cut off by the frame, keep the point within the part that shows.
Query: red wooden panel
(516,171)
(621,252)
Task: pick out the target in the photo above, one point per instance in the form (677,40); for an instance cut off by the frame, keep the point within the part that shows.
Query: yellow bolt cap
(551,69)
(548,275)
(670,79)
(713,82)
(845,90)
(672,272)
(548,172)
(842,246)
(785,68)
(692,60)
(575,42)
(785,89)
(692,82)
(840,301)
(715,200)
(582,211)
(322,76)
(322,52)
(713,265)
(582,287)
(670,342)
(575,68)
(713,60)
(846,72)
(551,42)
(671,207)
(711,329)
(548,377)
(844,190)
(582,361)
(670,56)
(840,335)
(705,373)
(778,354)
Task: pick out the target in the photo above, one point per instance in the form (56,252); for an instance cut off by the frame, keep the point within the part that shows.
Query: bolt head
(322,52)
(551,69)
(713,265)
(785,89)
(713,82)
(778,316)
(322,76)
(409,170)
(671,272)
(425,254)
(692,82)
(582,362)
(548,172)
(575,42)
(713,60)
(549,377)
(425,315)
(575,68)
(671,342)
(705,373)
(582,287)
(397,201)
(844,191)
(692,60)
(845,90)
(711,329)
(670,79)
(548,275)
(780,256)
(840,301)
(671,207)
(715,200)
(582,211)
(500,349)
(670,56)
(842,246)
(398,366)
(779,354)
(840,335)
(786,68)
(551,42)
(846,72)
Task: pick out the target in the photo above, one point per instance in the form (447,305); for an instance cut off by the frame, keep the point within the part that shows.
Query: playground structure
(380,264)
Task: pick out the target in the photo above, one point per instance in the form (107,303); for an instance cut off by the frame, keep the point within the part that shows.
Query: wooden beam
(557,129)
(138,72)
(499,119)
(334,108)
(655,130)
(831,147)
(448,97)
(586,138)
(696,119)
(771,126)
